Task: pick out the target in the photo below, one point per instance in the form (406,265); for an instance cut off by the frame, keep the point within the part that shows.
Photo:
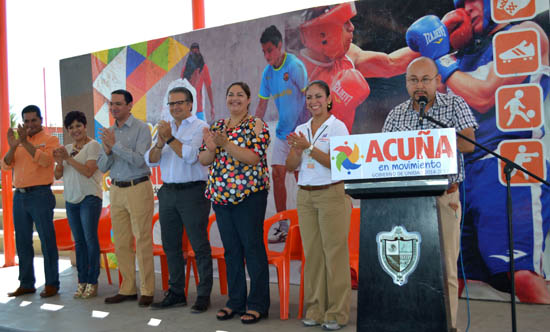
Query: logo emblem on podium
(399,253)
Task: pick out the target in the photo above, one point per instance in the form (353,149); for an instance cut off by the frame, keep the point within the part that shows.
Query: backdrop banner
(493,53)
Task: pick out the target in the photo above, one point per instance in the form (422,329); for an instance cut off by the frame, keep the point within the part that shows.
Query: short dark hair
(271,34)
(194,45)
(181,89)
(323,85)
(73,116)
(127,95)
(243,85)
(31,109)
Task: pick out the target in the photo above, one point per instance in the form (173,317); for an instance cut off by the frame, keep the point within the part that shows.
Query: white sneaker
(331,326)
(308,322)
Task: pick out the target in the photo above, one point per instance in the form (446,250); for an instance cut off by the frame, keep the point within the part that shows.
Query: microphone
(422,101)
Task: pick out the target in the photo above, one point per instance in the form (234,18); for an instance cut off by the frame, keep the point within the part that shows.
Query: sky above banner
(41,33)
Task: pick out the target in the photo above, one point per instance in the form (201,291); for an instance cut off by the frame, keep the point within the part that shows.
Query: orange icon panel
(516,52)
(503,11)
(527,153)
(519,107)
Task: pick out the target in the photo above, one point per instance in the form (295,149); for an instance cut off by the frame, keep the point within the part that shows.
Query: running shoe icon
(520,51)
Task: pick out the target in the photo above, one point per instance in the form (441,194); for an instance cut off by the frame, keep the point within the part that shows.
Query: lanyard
(309,135)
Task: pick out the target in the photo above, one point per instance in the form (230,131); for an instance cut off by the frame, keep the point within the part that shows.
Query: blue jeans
(242,231)
(35,206)
(84,219)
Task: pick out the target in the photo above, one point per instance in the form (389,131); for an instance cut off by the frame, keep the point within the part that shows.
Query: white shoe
(331,326)
(520,51)
(308,322)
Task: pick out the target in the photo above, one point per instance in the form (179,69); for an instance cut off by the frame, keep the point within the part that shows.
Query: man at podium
(423,80)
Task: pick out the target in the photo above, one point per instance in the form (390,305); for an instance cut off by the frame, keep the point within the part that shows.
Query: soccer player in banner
(329,55)
(284,79)
(470,73)
(422,81)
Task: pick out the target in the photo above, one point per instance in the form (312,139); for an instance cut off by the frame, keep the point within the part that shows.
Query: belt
(124,184)
(452,188)
(31,188)
(185,185)
(326,186)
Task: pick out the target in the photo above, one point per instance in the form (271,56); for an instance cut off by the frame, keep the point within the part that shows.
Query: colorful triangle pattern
(136,68)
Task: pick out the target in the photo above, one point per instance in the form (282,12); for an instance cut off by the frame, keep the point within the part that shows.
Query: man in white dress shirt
(181,199)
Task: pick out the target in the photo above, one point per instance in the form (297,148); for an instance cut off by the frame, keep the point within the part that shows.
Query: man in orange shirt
(31,158)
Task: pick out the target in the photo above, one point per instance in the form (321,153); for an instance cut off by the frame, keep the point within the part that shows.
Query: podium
(402,284)
(398,177)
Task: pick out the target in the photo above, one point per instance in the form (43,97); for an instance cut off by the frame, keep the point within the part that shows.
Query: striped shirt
(449,109)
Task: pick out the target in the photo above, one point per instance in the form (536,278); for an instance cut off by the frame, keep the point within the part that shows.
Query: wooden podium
(401,265)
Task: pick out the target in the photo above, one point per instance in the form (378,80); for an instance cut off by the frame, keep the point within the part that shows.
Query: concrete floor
(29,313)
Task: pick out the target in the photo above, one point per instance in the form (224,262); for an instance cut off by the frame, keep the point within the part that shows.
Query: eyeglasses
(179,102)
(425,80)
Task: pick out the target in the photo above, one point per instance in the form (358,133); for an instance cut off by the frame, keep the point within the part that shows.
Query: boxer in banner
(470,73)
(329,55)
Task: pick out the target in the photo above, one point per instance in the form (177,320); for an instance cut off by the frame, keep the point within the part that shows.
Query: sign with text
(393,155)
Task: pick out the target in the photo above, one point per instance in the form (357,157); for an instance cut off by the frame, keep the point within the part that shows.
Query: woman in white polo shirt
(324,213)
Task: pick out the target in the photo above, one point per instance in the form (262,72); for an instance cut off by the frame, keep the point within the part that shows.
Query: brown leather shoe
(145,301)
(49,291)
(22,291)
(120,298)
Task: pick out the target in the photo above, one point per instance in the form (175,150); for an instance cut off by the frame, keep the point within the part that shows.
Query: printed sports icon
(516,52)
(347,157)
(519,107)
(503,11)
(527,153)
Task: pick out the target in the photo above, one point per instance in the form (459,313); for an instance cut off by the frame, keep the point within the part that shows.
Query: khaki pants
(324,226)
(449,208)
(131,217)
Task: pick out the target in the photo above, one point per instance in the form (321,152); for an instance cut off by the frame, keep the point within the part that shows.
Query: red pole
(7,193)
(45,105)
(198,14)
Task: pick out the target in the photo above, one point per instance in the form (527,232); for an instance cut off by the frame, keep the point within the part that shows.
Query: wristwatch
(308,149)
(170,140)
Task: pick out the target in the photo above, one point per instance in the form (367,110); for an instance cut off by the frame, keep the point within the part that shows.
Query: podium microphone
(422,101)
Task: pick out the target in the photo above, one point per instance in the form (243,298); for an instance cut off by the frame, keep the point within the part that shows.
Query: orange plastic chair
(63,237)
(159,251)
(297,253)
(281,259)
(353,239)
(106,245)
(217,253)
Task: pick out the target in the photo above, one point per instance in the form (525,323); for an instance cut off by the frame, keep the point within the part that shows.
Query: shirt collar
(327,122)
(188,119)
(128,121)
(440,101)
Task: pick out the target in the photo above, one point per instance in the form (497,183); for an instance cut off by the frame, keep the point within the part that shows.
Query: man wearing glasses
(131,195)
(181,199)
(422,81)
